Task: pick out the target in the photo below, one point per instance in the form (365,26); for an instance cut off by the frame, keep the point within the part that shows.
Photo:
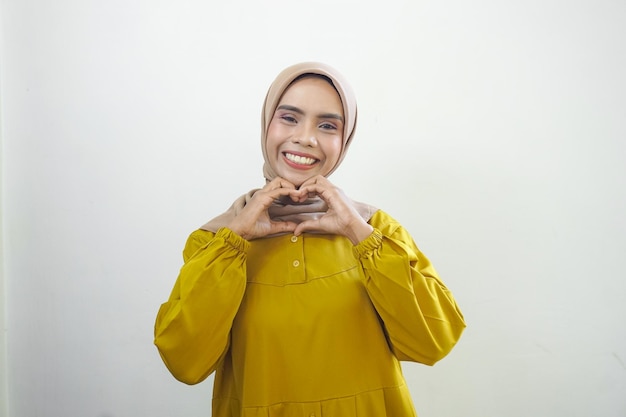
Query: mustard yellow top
(306,326)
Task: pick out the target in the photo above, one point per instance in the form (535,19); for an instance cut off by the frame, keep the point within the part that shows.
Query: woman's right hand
(254,221)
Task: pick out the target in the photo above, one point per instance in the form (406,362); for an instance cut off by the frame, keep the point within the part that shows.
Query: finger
(280,182)
(264,198)
(311,187)
(283,191)
(282,227)
(318,179)
(313,190)
(307,226)
(298,196)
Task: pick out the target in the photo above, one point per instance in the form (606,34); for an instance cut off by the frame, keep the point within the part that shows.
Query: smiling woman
(301,300)
(304,137)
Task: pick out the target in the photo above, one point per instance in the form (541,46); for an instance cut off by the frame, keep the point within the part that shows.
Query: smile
(300,160)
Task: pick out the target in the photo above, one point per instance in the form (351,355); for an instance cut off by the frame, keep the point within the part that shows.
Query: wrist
(238,231)
(359,232)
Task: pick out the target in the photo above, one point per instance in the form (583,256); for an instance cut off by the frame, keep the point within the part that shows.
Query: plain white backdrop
(494,131)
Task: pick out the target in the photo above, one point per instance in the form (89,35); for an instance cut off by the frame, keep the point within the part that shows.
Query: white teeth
(301,160)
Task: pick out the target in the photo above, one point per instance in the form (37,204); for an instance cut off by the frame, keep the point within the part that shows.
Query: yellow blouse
(306,326)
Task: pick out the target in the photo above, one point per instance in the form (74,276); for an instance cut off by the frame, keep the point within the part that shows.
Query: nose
(306,136)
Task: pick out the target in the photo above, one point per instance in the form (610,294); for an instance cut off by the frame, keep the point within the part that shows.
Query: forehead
(312,89)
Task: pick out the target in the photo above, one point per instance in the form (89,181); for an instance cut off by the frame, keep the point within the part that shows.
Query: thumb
(306,226)
(282,227)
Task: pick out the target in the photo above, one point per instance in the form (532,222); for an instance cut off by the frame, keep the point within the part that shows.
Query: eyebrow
(300,111)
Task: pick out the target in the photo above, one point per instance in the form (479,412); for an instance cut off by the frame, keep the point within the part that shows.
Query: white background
(494,131)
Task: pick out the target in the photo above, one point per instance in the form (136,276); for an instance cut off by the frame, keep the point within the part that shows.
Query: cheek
(271,138)
(333,150)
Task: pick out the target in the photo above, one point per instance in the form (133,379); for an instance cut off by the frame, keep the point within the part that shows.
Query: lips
(299,161)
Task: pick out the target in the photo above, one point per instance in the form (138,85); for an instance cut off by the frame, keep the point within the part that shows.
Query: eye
(288,118)
(328,126)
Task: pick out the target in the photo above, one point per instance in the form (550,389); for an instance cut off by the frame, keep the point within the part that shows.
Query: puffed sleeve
(192,329)
(420,315)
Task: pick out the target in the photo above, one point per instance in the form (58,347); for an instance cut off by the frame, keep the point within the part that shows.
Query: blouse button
(296,263)
(294,239)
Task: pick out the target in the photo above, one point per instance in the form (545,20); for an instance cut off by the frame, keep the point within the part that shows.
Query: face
(305,135)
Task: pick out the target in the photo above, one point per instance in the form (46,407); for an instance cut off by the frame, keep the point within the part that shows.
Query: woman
(300,299)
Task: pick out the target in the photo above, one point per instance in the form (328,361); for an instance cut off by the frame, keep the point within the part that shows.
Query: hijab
(284,209)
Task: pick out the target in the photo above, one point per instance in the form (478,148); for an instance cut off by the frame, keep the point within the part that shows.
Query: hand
(340,219)
(254,221)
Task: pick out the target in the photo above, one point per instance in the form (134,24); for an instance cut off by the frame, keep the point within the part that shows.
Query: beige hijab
(284,209)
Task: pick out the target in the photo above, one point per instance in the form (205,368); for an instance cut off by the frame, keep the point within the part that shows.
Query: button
(294,239)
(296,263)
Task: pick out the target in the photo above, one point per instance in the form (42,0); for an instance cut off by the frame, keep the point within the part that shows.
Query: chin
(296,179)
(299,178)
(296,183)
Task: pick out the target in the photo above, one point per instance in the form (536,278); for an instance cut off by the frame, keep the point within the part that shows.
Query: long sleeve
(419,313)
(192,329)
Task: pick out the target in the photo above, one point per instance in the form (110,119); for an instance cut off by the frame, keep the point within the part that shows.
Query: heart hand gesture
(340,219)
(254,221)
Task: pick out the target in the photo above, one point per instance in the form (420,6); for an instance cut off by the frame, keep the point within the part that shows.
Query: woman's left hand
(340,219)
